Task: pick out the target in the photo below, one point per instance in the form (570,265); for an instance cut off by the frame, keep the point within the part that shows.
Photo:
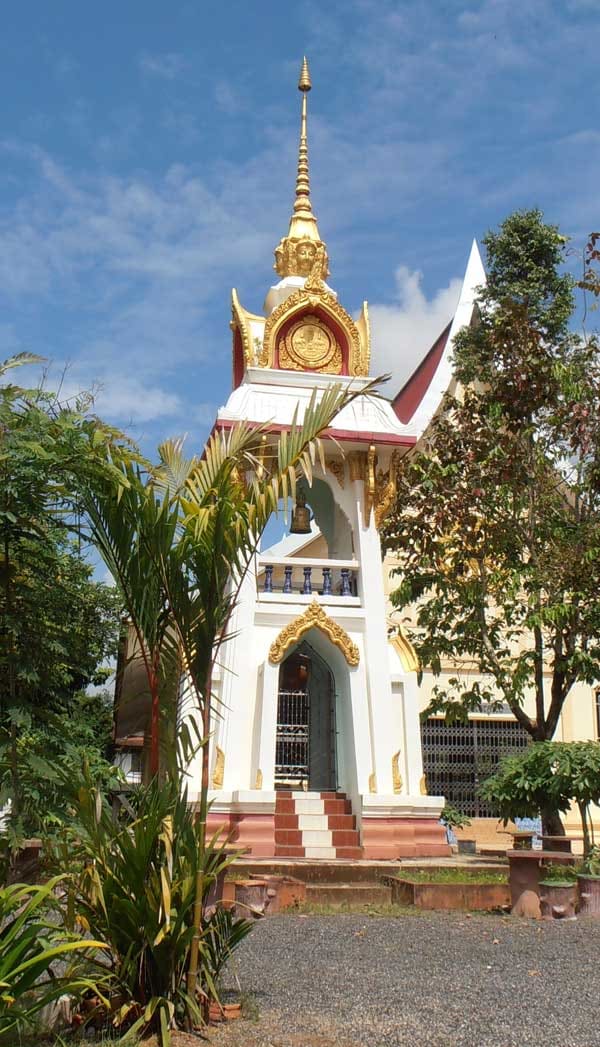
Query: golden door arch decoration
(313,618)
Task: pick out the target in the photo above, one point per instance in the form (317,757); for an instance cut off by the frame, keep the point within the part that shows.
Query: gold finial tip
(304,83)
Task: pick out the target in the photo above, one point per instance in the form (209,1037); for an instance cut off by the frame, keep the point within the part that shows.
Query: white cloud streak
(402,332)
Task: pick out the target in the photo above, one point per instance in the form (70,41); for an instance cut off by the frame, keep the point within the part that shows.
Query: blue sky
(147,161)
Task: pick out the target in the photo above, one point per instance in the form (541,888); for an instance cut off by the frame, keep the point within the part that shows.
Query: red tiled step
(349,852)
(288,852)
(284,806)
(341,821)
(288,836)
(337,806)
(287,821)
(343,838)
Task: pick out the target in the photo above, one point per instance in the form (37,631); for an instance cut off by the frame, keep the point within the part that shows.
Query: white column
(412,734)
(238,689)
(376,652)
(268,725)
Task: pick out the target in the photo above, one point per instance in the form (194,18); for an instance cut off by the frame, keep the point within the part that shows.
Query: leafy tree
(57,626)
(559,773)
(497,524)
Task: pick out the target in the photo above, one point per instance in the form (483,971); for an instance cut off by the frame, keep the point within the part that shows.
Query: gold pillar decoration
(260,469)
(219,768)
(313,617)
(336,466)
(370,483)
(357,465)
(405,650)
(423,786)
(373,783)
(302,252)
(259,779)
(396,776)
(385,494)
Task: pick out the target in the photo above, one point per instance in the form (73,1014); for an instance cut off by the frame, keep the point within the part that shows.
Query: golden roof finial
(304,83)
(302,252)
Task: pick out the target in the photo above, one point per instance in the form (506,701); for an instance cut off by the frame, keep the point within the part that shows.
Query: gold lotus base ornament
(313,618)
(396,776)
(219,769)
(310,346)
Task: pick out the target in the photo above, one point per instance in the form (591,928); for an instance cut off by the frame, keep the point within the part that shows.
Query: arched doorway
(305,752)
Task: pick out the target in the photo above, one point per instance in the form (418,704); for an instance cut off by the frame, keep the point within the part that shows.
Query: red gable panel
(410,396)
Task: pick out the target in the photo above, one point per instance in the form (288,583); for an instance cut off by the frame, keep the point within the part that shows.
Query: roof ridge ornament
(302,252)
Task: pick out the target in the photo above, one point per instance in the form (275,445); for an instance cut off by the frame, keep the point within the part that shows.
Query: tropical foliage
(548,776)
(497,524)
(32,940)
(137,891)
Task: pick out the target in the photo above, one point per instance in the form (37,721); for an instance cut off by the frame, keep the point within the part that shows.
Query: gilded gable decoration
(303,301)
(310,346)
(241,321)
(313,618)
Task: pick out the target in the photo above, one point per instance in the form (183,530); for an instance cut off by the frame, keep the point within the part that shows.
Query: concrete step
(339,894)
(314,872)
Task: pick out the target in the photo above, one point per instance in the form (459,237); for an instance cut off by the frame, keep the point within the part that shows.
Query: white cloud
(168,66)
(402,333)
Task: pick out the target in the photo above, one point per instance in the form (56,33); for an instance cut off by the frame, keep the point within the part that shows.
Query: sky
(147,166)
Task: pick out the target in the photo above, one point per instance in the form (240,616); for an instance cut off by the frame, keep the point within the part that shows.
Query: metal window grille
(458,757)
(292,753)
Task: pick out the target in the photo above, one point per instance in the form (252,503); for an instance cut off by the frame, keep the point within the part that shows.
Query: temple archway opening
(305,751)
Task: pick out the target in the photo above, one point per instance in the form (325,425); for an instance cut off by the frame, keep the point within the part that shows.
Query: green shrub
(32,938)
(137,891)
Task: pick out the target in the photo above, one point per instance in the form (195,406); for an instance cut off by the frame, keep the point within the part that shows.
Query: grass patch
(348,909)
(440,874)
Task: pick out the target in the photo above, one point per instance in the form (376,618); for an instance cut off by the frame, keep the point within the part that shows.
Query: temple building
(318,750)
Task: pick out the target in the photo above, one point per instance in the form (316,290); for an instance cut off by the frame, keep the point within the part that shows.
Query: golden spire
(302,252)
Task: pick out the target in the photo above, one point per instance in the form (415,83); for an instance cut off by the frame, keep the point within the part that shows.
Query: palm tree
(180,542)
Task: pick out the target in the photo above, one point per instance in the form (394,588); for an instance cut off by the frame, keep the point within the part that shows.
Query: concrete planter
(558,900)
(467,846)
(457,896)
(589,895)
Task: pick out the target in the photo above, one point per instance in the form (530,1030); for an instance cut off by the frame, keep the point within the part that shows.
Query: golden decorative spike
(302,252)
(304,83)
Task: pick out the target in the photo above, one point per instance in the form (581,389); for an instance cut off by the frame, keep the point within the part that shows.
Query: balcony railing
(286,577)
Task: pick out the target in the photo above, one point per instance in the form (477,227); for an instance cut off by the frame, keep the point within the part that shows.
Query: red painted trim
(405,403)
(238,358)
(343,435)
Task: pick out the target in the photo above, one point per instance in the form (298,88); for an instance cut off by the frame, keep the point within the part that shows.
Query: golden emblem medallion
(310,346)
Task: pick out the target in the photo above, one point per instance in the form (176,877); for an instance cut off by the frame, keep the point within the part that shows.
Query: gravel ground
(425,981)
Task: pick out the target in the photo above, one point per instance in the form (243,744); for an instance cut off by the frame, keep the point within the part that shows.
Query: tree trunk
(551,823)
(12,690)
(192,975)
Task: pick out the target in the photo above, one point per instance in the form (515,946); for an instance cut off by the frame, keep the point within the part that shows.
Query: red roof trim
(411,395)
(343,435)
